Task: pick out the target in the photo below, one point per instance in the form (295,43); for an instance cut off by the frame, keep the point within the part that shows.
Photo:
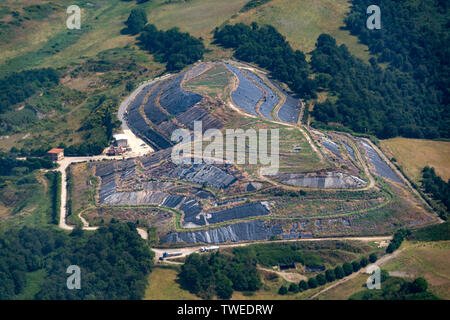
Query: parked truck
(171,254)
(208,249)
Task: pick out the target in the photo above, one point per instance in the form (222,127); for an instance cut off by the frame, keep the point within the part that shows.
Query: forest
(114,263)
(371,100)
(265,46)
(177,49)
(216,274)
(413,40)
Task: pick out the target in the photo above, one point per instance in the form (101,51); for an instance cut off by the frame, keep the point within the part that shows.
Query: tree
(321,280)
(283,290)
(293,287)
(312,283)
(224,287)
(364,262)
(339,272)
(329,275)
(356,266)
(303,285)
(419,285)
(136,21)
(373,257)
(348,268)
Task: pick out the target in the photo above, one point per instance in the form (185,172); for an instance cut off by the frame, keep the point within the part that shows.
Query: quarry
(327,183)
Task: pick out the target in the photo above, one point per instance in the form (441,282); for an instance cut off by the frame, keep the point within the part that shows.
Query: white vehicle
(207,249)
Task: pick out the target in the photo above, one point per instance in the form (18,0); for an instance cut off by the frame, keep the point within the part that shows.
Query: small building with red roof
(55,154)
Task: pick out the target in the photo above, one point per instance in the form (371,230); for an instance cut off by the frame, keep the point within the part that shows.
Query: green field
(162,285)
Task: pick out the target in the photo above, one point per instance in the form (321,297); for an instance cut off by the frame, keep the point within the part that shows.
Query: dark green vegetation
(99,126)
(114,263)
(22,189)
(409,97)
(253,4)
(173,47)
(9,165)
(397,240)
(393,288)
(54,177)
(436,232)
(413,39)
(136,21)
(331,275)
(436,187)
(18,86)
(218,274)
(394,102)
(265,46)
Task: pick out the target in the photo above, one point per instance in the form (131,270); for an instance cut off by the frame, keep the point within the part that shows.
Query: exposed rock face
(244,231)
(332,180)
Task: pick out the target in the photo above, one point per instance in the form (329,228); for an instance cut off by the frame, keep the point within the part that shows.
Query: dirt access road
(187,251)
(63,165)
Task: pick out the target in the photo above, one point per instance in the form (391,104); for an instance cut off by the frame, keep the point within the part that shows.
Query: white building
(121,140)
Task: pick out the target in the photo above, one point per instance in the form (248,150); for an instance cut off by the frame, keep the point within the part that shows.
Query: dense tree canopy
(176,48)
(413,38)
(114,262)
(436,187)
(217,274)
(371,100)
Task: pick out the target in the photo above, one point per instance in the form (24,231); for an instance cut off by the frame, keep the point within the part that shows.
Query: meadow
(413,155)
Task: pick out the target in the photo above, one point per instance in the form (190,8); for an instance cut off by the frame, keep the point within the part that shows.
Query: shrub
(283,290)
(321,280)
(356,266)
(294,288)
(303,285)
(348,268)
(419,285)
(329,275)
(339,272)
(312,283)
(364,262)
(373,257)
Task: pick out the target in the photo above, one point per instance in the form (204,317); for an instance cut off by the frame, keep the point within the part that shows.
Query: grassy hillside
(302,21)
(414,154)
(420,259)
(42,39)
